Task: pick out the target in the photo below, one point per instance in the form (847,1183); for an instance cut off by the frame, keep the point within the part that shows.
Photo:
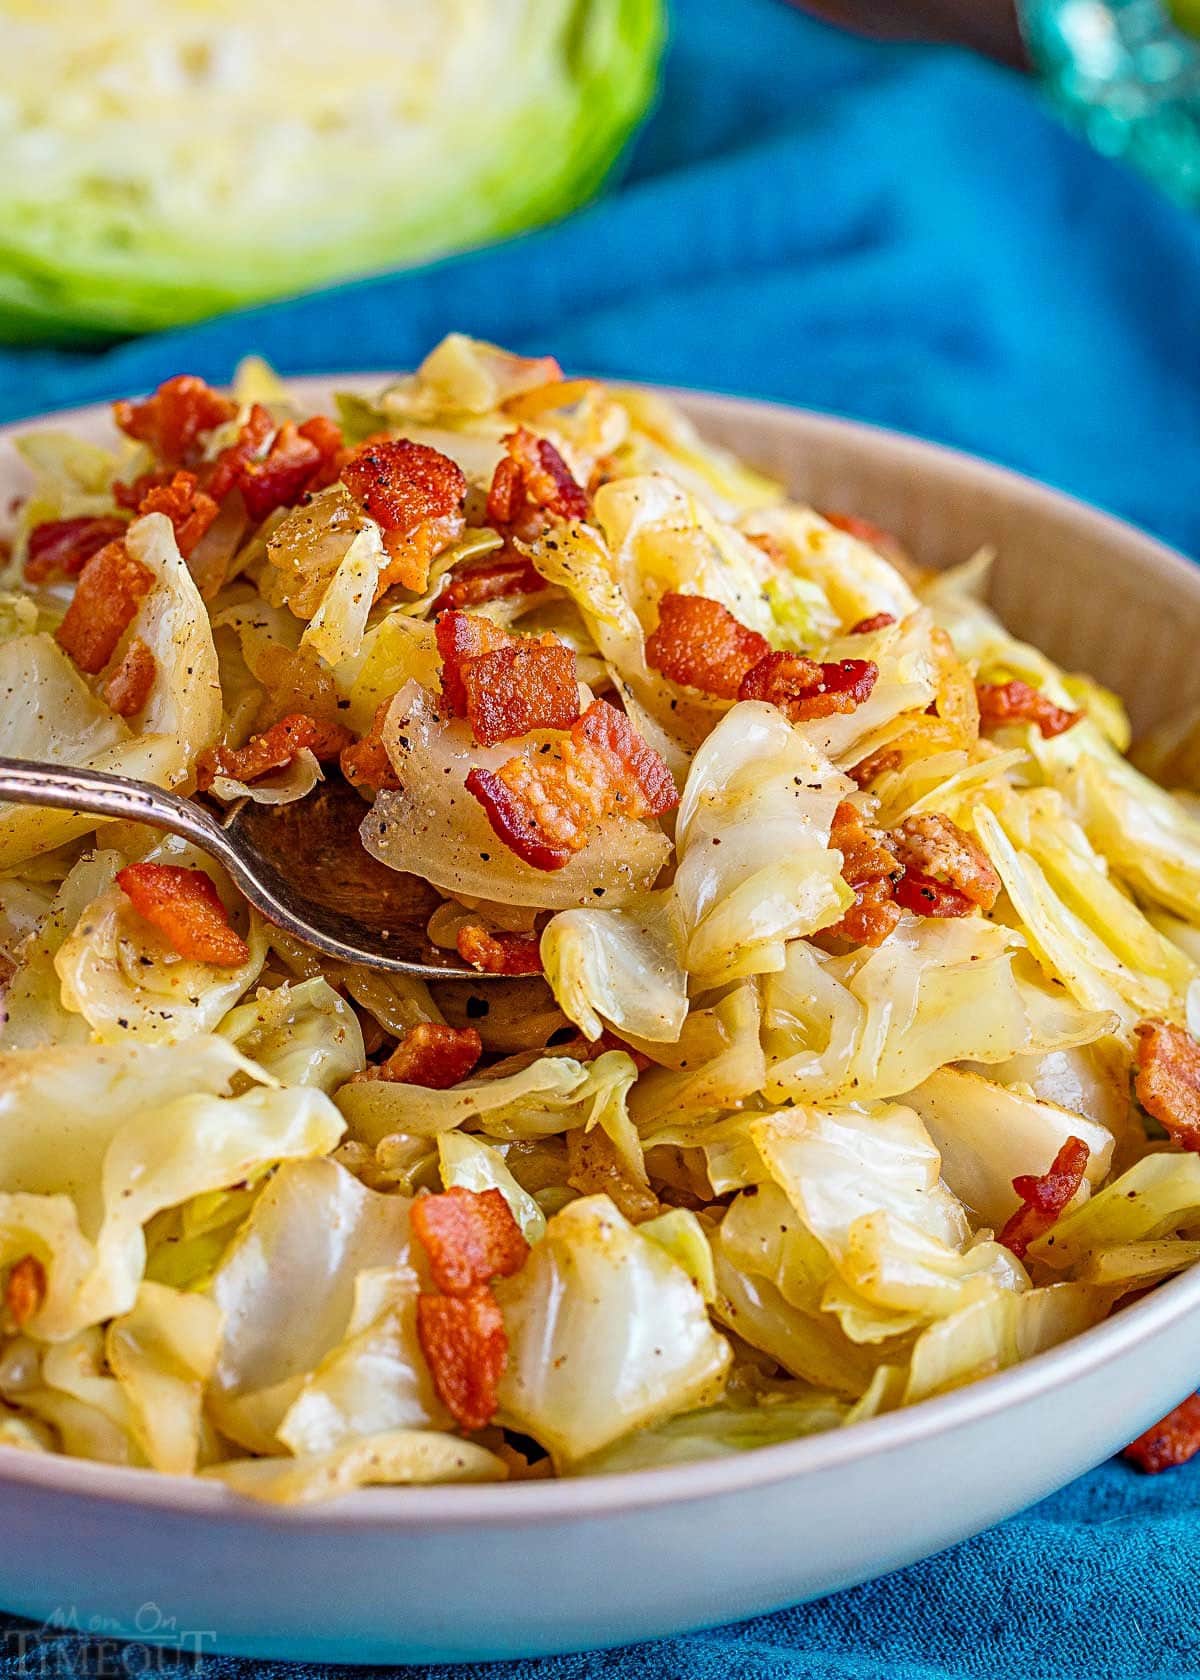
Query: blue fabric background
(904,236)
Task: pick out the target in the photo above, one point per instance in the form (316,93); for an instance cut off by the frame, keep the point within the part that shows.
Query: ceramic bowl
(465,1573)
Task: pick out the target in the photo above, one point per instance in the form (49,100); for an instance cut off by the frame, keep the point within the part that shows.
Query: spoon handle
(66,787)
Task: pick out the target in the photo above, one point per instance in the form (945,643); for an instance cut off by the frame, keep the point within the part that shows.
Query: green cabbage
(166,163)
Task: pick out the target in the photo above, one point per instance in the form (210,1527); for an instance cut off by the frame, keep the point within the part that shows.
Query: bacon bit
(875,536)
(505,685)
(274,749)
(415,494)
(933,846)
(490,579)
(175,418)
(866,626)
(251,444)
(544,808)
(25,1290)
(462,637)
(300,459)
(1169,1442)
(499,952)
(365,762)
(926,897)
(876,764)
(870,868)
(514,690)
(804,689)
(1017,702)
(529,483)
(326,435)
(190,509)
(128,689)
(1044,1196)
(595,1168)
(1167,1081)
(470,1237)
(699,642)
(430,1055)
(466,1349)
(184,905)
(66,545)
(104,604)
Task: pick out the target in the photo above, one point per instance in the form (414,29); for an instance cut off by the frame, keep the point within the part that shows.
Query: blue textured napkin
(901,235)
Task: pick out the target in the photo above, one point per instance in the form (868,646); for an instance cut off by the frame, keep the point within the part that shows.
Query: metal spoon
(302,864)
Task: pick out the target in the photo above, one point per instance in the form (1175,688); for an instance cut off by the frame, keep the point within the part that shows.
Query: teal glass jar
(1127,73)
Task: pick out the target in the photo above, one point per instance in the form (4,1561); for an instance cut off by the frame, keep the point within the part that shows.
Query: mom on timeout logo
(72,1646)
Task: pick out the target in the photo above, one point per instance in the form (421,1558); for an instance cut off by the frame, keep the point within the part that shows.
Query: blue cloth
(902,235)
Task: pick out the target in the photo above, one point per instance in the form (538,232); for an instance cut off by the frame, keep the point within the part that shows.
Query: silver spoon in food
(302,864)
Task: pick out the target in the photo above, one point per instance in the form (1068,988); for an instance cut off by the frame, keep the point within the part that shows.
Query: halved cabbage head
(167,161)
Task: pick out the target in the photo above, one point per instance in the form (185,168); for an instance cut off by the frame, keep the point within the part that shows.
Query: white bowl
(466,1573)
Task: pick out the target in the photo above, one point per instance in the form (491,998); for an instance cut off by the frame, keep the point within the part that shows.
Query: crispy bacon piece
(470,1237)
(545,807)
(505,685)
(173,421)
(184,905)
(926,897)
(699,642)
(103,606)
(513,690)
(491,579)
(877,621)
(530,482)
(365,762)
(274,749)
(190,509)
(251,444)
(875,536)
(595,1168)
(870,868)
(25,1290)
(1171,1441)
(1044,1196)
(933,846)
(462,637)
(876,764)
(1017,702)
(431,1055)
(1167,1080)
(300,459)
(499,952)
(415,494)
(326,436)
(128,689)
(804,689)
(66,545)
(465,1346)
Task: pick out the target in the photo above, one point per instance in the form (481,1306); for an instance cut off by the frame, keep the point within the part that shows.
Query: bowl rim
(519,1503)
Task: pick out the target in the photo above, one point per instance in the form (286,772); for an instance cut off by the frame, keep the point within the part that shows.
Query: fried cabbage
(818,1054)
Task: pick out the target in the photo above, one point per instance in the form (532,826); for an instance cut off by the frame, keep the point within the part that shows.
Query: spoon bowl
(302,864)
